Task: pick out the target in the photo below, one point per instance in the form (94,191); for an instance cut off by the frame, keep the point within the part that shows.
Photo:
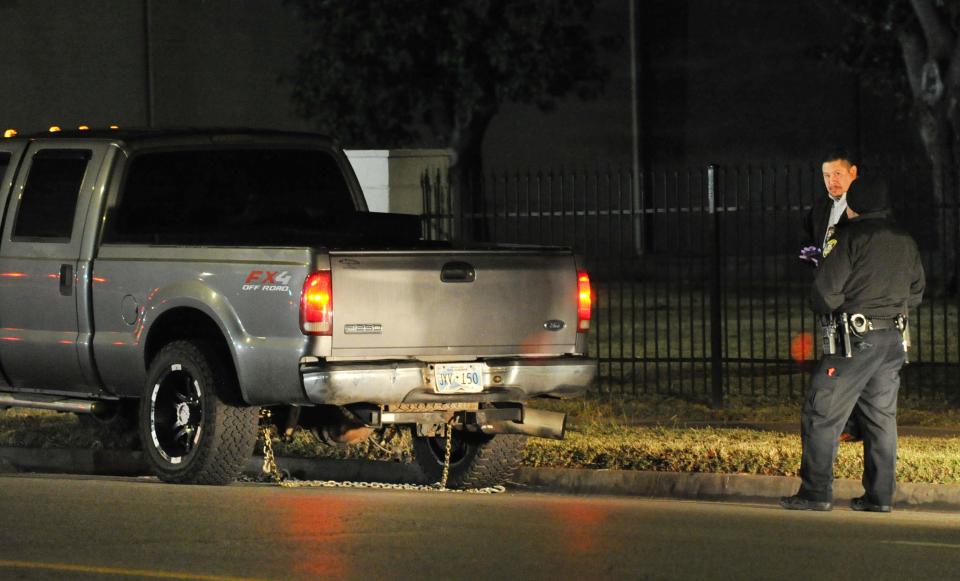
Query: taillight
(316,304)
(584,302)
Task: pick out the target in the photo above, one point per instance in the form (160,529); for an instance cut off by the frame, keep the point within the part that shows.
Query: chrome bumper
(394,382)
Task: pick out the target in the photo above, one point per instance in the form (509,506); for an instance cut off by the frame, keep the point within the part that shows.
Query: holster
(835,334)
(903,323)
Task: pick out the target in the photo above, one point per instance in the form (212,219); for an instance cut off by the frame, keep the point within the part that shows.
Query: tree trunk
(467,180)
(940,141)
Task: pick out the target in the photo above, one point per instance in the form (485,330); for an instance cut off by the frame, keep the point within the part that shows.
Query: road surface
(76,527)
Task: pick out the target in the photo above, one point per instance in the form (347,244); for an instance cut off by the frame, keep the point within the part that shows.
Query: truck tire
(193,426)
(476,460)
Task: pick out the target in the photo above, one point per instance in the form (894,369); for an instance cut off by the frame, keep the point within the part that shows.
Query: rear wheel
(476,460)
(193,426)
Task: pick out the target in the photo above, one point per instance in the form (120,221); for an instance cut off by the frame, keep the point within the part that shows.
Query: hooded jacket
(870,265)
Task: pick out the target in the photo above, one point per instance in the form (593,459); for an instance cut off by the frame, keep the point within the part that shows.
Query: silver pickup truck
(180,281)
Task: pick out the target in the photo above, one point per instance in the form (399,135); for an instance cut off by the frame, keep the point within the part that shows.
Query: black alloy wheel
(194,426)
(176,414)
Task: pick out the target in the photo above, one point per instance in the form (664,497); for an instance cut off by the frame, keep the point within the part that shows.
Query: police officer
(870,269)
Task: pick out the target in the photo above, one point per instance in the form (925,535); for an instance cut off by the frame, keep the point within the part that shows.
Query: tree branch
(939,36)
(953,72)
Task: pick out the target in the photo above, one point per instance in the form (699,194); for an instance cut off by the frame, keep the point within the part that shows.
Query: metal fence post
(716,332)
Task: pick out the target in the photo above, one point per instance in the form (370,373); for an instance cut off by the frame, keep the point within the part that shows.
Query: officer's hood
(867,196)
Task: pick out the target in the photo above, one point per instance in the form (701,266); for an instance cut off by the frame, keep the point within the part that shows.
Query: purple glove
(811,255)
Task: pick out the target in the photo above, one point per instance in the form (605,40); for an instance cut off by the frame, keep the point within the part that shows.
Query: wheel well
(182,324)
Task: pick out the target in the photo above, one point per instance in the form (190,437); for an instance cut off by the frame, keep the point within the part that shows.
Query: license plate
(458,377)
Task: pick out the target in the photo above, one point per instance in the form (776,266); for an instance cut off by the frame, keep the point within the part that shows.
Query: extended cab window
(50,196)
(228,197)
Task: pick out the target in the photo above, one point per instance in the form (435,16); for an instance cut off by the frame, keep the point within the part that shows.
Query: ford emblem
(554,325)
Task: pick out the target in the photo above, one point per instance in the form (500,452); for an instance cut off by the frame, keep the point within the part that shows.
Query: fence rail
(698,290)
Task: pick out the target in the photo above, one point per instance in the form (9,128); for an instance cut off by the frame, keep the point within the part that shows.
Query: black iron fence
(698,289)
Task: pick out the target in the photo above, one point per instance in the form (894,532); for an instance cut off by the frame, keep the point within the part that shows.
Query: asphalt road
(74,527)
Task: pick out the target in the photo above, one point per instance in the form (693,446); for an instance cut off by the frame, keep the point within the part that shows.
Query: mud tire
(194,427)
(476,460)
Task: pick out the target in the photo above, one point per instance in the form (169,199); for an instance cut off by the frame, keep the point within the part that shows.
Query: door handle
(458,272)
(66,279)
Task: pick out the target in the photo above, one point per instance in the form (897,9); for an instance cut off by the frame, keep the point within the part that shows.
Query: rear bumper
(393,382)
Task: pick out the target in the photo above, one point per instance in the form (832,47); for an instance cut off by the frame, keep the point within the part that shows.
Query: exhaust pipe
(80,406)
(537,423)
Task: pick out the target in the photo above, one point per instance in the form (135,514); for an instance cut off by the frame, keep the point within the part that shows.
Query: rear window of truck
(231,197)
(49,198)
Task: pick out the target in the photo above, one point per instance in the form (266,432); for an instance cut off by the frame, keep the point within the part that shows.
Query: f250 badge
(269,281)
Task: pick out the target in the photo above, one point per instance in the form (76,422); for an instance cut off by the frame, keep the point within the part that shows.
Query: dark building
(723,81)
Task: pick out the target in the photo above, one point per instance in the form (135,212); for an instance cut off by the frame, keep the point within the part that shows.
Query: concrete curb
(734,487)
(691,486)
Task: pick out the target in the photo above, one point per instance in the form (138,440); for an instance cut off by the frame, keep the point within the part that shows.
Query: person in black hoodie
(870,268)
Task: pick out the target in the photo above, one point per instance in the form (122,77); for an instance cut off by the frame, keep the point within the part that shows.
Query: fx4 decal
(266,280)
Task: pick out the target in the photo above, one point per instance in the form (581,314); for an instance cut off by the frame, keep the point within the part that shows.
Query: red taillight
(316,304)
(584,302)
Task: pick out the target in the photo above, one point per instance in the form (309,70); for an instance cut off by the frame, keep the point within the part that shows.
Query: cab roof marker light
(84,128)
(54,129)
(10,133)
(114,127)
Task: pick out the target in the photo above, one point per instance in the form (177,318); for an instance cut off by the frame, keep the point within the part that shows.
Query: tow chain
(271,469)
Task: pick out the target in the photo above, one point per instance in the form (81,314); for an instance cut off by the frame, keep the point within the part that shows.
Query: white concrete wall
(372,167)
(390,178)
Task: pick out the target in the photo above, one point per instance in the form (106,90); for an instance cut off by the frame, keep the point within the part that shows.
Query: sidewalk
(691,486)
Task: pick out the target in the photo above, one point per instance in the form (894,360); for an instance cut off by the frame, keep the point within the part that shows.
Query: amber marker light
(54,129)
(84,128)
(114,127)
(10,133)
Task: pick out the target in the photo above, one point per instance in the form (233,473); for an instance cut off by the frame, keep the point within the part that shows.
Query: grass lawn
(643,434)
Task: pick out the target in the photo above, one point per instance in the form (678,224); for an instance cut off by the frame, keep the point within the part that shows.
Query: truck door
(9,157)
(42,344)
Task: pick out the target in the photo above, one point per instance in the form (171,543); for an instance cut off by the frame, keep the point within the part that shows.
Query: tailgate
(423,303)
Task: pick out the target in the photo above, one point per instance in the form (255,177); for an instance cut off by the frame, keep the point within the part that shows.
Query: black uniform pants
(871,378)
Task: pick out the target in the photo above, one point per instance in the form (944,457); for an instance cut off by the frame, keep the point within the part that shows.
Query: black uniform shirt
(871,267)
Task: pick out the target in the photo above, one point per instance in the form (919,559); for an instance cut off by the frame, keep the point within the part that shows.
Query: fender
(264,374)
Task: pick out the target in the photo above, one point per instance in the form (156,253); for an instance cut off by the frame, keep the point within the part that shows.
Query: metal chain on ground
(269,460)
(271,468)
(446,458)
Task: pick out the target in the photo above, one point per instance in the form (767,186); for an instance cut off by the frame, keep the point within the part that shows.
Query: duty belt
(835,330)
(860,323)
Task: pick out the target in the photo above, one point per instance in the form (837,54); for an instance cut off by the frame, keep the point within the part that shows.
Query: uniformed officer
(872,269)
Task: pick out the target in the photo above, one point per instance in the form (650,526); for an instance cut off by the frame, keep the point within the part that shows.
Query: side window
(4,162)
(49,198)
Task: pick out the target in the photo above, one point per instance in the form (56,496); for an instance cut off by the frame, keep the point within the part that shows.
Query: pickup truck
(179,281)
